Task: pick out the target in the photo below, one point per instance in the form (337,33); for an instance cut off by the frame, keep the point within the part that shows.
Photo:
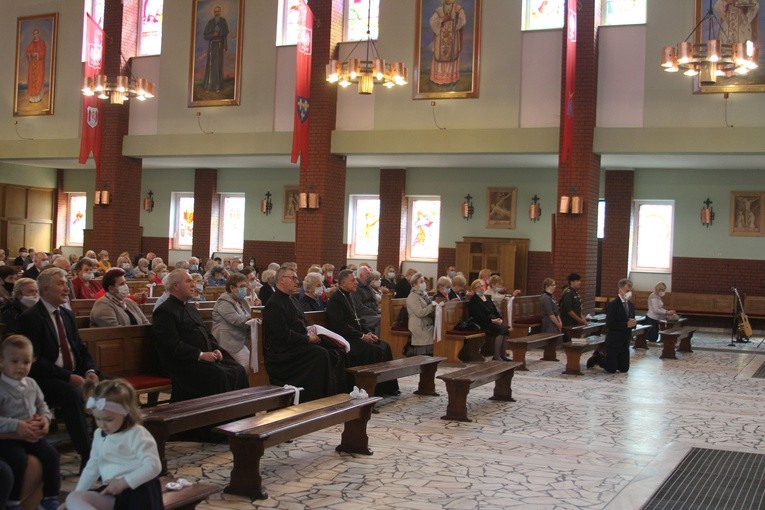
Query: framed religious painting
(500,207)
(736,21)
(291,203)
(34,85)
(215,72)
(447,49)
(746,214)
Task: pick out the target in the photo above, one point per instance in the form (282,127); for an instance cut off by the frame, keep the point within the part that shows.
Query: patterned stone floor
(597,441)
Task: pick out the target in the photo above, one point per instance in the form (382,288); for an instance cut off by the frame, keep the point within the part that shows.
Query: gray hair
(374,275)
(624,282)
(84,261)
(173,277)
(344,274)
(45,278)
(273,266)
(181,264)
(20,284)
(311,279)
(415,277)
(444,281)
(268,276)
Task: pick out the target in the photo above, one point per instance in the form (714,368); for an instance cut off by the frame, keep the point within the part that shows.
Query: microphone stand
(734,325)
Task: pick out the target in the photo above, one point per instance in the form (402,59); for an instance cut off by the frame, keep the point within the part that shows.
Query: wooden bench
(671,337)
(584,330)
(640,336)
(458,347)
(250,437)
(187,498)
(527,316)
(575,349)
(395,334)
(669,324)
(367,377)
(128,352)
(82,307)
(548,341)
(459,383)
(166,419)
(697,305)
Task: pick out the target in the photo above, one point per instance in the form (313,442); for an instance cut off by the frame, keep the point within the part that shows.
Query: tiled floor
(593,441)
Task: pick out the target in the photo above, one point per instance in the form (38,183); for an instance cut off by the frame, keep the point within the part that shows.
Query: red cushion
(141,382)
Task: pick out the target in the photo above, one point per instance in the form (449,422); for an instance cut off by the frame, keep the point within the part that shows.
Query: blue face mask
(194,267)
(241,292)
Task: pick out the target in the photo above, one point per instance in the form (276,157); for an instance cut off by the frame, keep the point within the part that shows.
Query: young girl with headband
(124,454)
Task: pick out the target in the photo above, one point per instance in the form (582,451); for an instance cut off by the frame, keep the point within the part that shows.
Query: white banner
(437,333)
(254,323)
(509,312)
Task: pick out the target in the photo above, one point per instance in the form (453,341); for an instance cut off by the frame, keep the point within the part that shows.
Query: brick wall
(540,267)
(266,252)
(159,245)
(717,276)
(616,241)
(446,257)
(206,206)
(392,210)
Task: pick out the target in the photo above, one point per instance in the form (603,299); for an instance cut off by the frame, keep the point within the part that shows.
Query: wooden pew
(390,330)
(250,437)
(459,383)
(584,330)
(167,419)
(128,351)
(671,337)
(458,346)
(548,341)
(189,497)
(213,293)
(574,350)
(82,307)
(640,336)
(368,376)
(527,316)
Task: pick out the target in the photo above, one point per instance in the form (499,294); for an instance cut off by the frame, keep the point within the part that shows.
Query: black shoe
(591,362)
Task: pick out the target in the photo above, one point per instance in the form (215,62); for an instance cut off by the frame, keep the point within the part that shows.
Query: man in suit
(620,321)
(41,261)
(62,361)
(190,354)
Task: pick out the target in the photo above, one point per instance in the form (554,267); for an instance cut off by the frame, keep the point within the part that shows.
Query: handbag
(467,325)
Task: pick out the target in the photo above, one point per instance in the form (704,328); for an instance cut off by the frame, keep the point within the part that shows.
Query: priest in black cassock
(343,319)
(292,355)
(187,351)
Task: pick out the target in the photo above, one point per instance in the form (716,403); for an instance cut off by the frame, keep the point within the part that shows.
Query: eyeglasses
(293,277)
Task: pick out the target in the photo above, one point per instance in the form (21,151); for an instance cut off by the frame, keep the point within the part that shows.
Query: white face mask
(318,291)
(125,266)
(87,275)
(661,293)
(200,287)
(240,266)
(422,286)
(628,295)
(447,290)
(123,291)
(44,263)
(29,301)
(375,284)
(391,275)
(329,274)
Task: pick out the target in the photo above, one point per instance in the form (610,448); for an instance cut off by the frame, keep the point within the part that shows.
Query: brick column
(319,232)
(206,211)
(392,234)
(616,241)
(116,226)
(575,246)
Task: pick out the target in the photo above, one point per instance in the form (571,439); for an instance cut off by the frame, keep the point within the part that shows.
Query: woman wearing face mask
(313,299)
(551,322)
(199,288)
(25,296)
(329,270)
(483,312)
(8,275)
(230,315)
(160,271)
(421,312)
(85,287)
(656,311)
(124,264)
(114,308)
(389,278)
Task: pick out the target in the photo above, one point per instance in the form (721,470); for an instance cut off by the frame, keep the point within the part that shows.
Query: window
(623,12)
(364,225)
(542,14)
(182,216)
(423,227)
(231,222)
(652,235)
(287,28)
(358,15)
(94,8)
(75,218)
(150,28)
(601,219)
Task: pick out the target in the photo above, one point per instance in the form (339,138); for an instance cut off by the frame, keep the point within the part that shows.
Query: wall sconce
(467,207)
(707,213)
(102,197)
(535,211)
(571,205)
(266,205)
(308,200)
(148,202)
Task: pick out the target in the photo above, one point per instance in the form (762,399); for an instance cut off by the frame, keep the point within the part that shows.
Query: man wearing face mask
(194,266)
(25,295)
(41,261)
(21,260)
(620,321)
(236,265)
(364,299)
(114,308)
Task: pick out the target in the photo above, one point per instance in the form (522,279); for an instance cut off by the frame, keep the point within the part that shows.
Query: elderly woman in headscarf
(421,311)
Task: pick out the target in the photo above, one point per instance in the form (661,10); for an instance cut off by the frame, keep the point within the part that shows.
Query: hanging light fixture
(707,213)
(120,90)
(369,71)
(713,58)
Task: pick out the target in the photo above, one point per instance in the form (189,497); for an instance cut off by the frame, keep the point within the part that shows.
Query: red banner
(302,85)
(91,105)
(568,119)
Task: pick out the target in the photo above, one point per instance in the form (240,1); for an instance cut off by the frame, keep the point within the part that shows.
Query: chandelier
(119,90)
(713,58)
(369,71)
